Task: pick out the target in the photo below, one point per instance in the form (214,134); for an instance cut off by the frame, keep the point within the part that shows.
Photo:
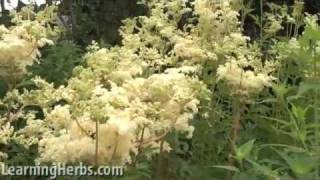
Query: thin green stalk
(159,175)
(290,29)
(316,104)
(243,16)
(295,124)
(140,146)
(97,143)
(317,121)
(235,131)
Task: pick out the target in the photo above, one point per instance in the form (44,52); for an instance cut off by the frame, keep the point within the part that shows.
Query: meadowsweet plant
(112,109)
(19,48)
(124,113)
(127,98)
(20,43)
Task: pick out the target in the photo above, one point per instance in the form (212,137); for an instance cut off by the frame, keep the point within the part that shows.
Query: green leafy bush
(57,62)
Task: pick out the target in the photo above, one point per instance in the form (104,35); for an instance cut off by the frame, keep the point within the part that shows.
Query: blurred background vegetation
(99,20)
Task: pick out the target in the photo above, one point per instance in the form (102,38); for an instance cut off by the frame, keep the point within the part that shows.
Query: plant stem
(317,121)
(236,126)
(243,16)
(97,143)
(160,163)
(316,102)
(139,146)
(261,22)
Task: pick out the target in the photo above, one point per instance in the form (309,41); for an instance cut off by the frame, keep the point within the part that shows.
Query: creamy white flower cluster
(112,110)
(244,82)
(156,106)
(6,133)
(19,44)
(216,19)
(220,34)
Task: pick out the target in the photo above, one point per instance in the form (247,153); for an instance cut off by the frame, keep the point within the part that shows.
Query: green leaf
(299,112)
(265,170)
(229,168)
(299,163)
(244,150)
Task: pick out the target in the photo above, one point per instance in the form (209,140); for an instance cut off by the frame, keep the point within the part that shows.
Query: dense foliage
(186,95)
